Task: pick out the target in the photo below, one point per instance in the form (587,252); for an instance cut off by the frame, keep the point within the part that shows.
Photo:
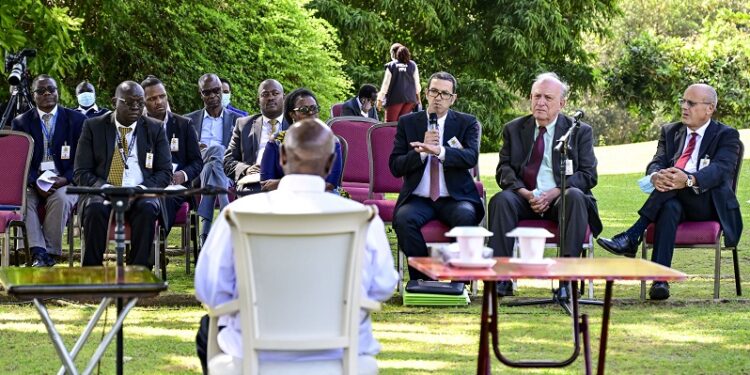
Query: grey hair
(552,76)
(710,92)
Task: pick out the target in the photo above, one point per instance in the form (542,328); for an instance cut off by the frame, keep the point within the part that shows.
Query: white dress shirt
(215,273)
(134,169)
(692,164)
(265,135)
(423,189)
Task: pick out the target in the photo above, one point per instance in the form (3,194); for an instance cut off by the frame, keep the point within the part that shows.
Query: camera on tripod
(16,65)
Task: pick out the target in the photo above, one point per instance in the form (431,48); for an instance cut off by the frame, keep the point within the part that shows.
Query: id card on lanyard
(47,163)
(127,178)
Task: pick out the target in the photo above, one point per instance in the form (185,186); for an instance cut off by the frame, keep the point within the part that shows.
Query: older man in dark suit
(363,104)
(252,133)
(183,144)
(692,174)
(434,151)
(529,174)
(214,128)
(55,131)
(122,148)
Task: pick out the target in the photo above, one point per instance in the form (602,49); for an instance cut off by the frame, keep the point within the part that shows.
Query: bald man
(529,174)
(122,148)
(252,133)
(692,175)
(307,156)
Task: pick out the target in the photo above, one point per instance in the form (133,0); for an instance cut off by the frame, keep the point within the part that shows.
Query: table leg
(87,331)
(110,335)
(586,343)
(119,344)
(605,327)
(483,360)
(54,336)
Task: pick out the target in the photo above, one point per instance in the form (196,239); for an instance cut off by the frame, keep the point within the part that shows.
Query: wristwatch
(689,182)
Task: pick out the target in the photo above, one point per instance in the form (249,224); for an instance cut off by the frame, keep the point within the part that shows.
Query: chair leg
(644,255)
(717,268)
(194,232)
(5,256)
(186,245)
(163,253)
(737,278)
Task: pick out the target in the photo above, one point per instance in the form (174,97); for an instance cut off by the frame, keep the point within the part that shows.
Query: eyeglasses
(435,93)
(266,94)
(213,91)
(309,110)
(690,103)
(43,90)
(137,103)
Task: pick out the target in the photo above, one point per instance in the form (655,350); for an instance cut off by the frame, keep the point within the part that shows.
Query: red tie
(682,161)
(434,177)
(535,161)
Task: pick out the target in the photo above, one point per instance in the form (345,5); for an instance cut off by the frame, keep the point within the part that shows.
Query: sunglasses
(43,90)
(209,92)
(311,109)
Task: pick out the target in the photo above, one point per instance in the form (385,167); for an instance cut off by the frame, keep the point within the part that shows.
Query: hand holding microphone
(431,143)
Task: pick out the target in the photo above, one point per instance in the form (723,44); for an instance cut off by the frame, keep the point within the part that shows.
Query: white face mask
(225,99)
(86,99)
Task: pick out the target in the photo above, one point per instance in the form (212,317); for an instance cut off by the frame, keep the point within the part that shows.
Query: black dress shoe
(659,291)
(621,244)
(504,288)
(39,260)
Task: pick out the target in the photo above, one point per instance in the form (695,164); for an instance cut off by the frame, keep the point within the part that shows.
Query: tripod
(563,147)
(20,102)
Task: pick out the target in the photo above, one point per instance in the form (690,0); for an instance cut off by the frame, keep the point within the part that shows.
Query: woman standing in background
(400,89)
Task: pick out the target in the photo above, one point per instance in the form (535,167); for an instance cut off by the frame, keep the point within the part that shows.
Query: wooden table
(567,269)
(107,283)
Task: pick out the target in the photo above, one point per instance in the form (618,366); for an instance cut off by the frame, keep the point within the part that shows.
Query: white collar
(131,126)
(206,114)
(701,130)
(41,113)
(84,110)
(267,120)
(300,183)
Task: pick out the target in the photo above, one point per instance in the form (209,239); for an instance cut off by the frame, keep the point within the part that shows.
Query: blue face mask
(225,99)
(86,99)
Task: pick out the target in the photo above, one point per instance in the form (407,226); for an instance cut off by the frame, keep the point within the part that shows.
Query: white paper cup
(531,248)
(470,247)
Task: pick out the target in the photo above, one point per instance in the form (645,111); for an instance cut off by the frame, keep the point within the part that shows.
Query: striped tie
(117,168)
(274,126)
(48,136)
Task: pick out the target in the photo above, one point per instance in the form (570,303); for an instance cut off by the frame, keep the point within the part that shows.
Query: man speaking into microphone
(434,151)
(529,173)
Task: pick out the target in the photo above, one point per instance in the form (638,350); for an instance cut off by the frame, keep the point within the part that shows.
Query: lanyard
(47,136)
(122,150)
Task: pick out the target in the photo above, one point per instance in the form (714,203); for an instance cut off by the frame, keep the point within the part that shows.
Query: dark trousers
(507,208)
(666,210)
(201,343)
(416,212)
(171,205)
(141,216)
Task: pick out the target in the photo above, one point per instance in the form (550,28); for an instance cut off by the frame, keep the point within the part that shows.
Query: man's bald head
(308,148)
(128,88)
(128,102)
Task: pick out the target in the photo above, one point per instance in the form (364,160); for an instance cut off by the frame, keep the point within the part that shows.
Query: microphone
(578,115)
(433,121)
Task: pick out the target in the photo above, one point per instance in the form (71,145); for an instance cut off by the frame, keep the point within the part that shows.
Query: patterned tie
(535,161)
(48,136)
(274,126)
(683,160)
(117,168)
(434,178)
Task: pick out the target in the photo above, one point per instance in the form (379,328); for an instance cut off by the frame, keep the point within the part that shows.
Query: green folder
(424,299)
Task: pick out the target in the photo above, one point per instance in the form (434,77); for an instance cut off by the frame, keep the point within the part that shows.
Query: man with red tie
(529,174)
(692,174)
(434,151)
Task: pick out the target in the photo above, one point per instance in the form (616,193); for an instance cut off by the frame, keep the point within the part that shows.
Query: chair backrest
(16,149)
(299,280)
(379,147)
(336,109)
(738,168)
(344,155)
(354,130)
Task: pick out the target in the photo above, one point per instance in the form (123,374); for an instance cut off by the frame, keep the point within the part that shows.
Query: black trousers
(141,216)
(201,343)
(507,208)
(666,210)
(171,205)
(416,212)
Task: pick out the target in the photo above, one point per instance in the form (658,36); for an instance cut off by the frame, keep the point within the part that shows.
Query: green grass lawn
(688,334)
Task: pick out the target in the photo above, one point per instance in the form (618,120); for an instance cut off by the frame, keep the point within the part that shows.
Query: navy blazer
(228,124)
(270,165)
(67,131)
(406,162)
(721,145)
(188,156)
(351,108)
(242,152)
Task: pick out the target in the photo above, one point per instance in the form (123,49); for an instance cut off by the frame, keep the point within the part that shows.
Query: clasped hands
(430,145)
(669,179)
(60,181)
(541,203)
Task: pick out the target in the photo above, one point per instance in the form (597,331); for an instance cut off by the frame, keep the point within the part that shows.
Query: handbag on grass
(434,287)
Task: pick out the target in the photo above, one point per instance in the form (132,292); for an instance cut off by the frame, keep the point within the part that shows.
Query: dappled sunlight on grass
(413,364)
(177,363)
(426,337)
(680,334)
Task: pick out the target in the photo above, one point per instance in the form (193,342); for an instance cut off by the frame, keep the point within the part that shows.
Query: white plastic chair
(299,283)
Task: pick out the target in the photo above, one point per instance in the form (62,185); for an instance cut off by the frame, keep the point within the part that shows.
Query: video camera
(16,65)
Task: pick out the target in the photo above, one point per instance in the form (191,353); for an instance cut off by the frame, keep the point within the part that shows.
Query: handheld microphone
(578,115)
(433,121)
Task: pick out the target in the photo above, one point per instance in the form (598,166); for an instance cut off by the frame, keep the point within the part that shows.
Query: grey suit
(243,149)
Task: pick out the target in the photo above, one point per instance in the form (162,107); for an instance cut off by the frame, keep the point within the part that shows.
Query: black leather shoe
(563,292)
(659,291)
(39,260)
(504,288)
(621,244)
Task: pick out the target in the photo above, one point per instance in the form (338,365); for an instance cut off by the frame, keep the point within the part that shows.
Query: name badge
(704,163)
(127,179)
(47,166)
(65,152)
(569,167)
(453,142)
(149,160)
(174,144)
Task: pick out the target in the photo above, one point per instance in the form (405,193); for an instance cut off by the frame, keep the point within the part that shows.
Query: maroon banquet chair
(16,149)
(336,109)
(702,235)
(355,176)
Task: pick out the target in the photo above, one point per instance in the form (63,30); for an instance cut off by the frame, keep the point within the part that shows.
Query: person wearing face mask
(226,97)
(363,104)
(86,96)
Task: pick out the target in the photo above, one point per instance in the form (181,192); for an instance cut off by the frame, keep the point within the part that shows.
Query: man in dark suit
(183,144)
(122,148)
(434,151)
(529,175)
(214,128)
(252,133)
(86,96)
(55,131)
(692,175)
(363,104)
